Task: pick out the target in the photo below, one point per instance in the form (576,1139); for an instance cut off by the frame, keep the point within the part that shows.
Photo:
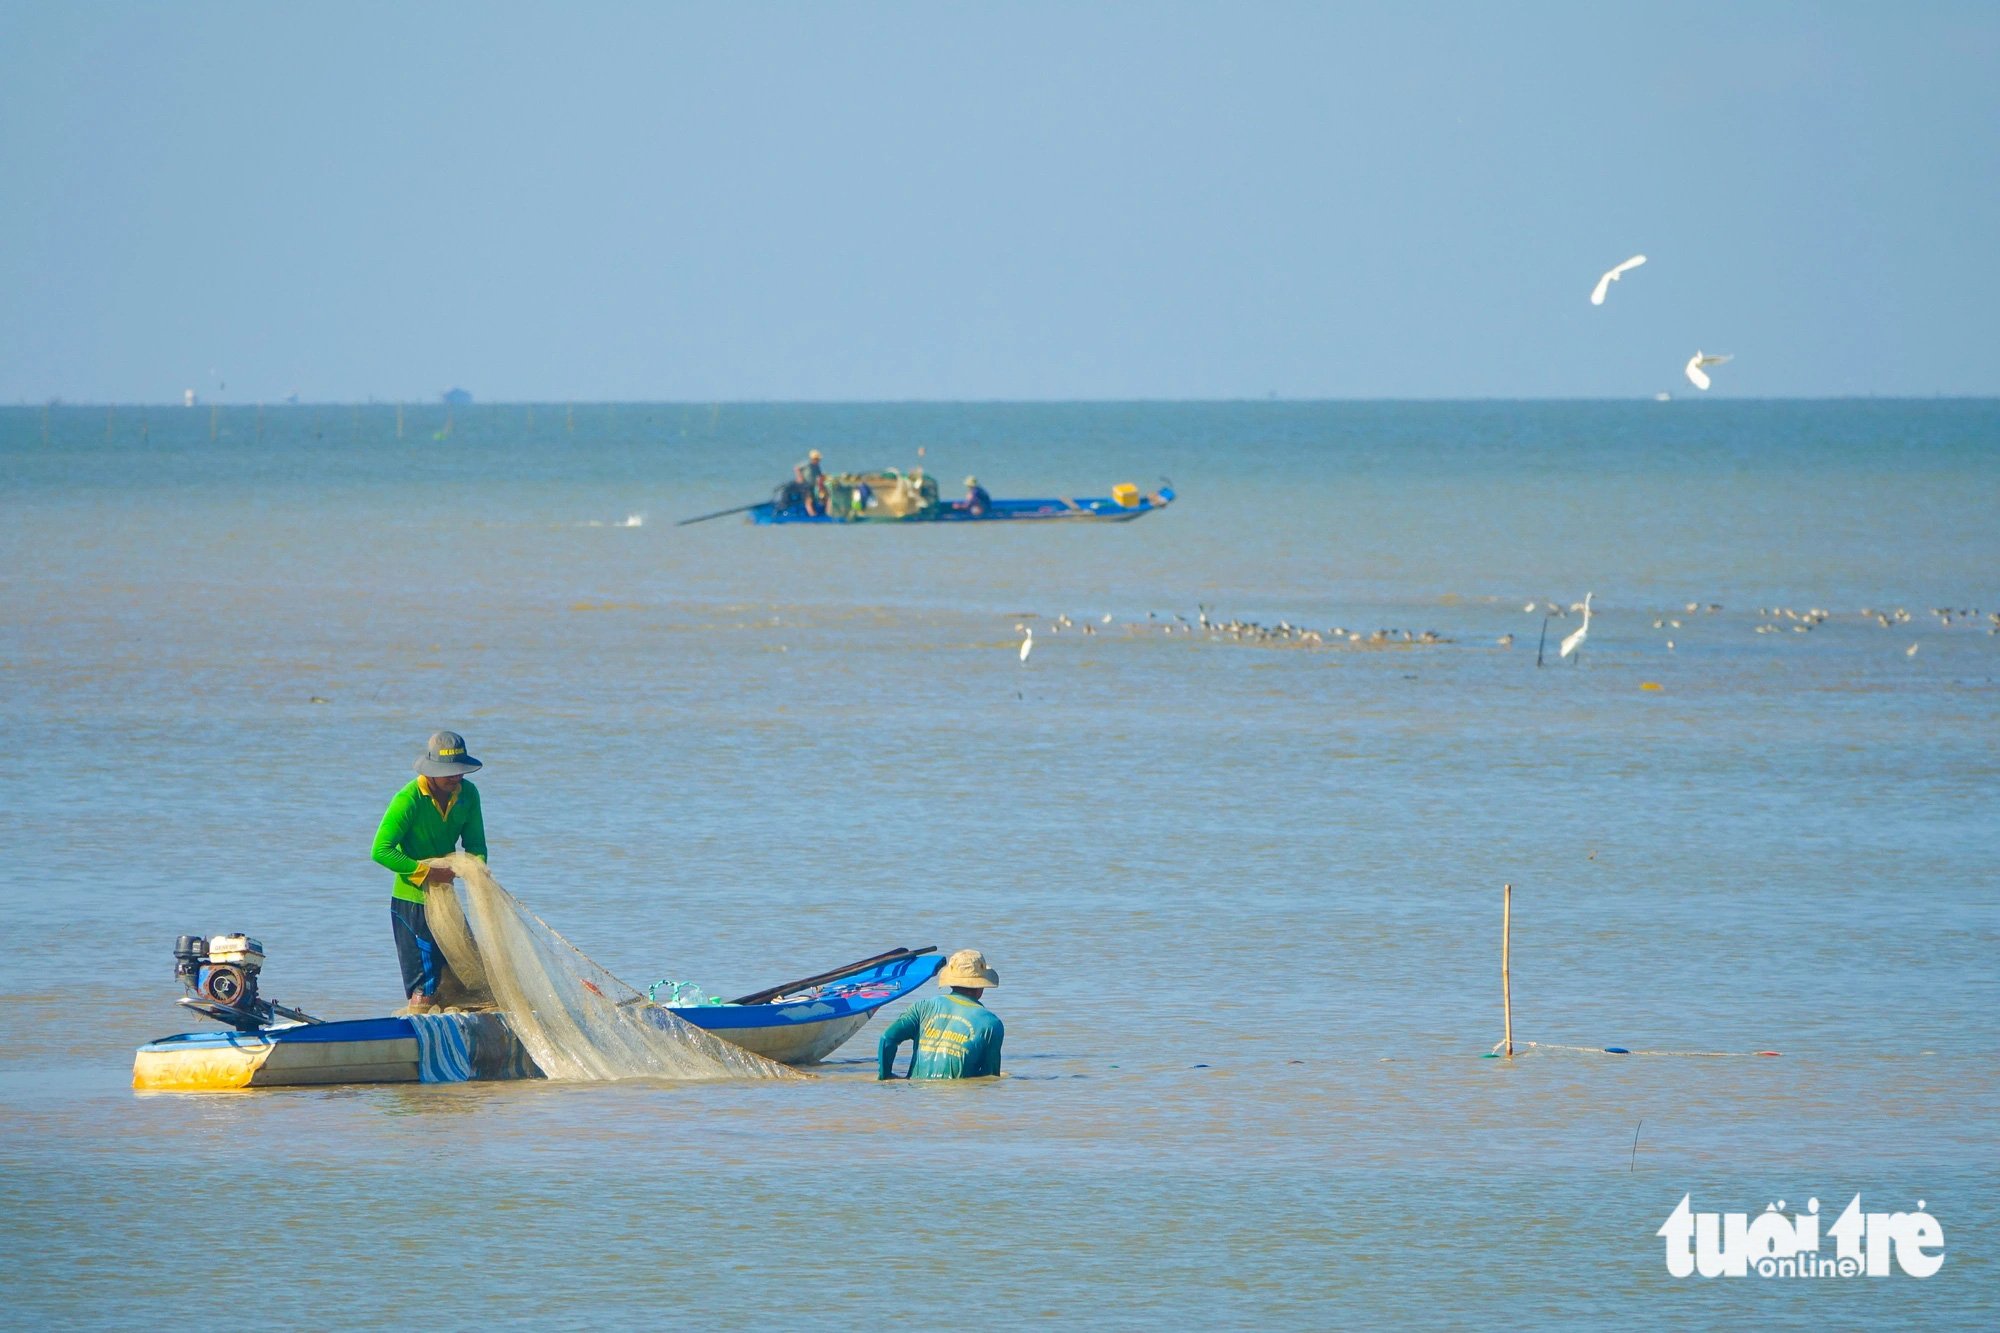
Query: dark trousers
(416,950)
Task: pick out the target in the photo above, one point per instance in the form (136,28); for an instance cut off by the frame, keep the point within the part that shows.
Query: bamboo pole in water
(1506,975)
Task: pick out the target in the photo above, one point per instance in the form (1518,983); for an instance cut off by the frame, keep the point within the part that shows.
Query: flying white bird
(1696,375)
(1575,640)
(1604,283)
(1028,644)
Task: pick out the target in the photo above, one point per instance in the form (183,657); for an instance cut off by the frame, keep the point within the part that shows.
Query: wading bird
(1575,640)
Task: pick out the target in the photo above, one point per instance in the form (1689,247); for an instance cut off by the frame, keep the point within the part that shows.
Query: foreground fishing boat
(800,1022)
(432,1048)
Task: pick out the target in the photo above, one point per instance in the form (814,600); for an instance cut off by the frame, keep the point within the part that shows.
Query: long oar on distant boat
(720,513)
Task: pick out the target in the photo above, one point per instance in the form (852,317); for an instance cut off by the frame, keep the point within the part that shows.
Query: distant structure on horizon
(457,398)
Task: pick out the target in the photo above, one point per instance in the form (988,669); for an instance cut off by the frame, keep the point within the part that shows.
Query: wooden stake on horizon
(1506,977)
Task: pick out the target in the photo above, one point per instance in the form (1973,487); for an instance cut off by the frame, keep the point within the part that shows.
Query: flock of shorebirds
(1283,634)
(1243,631)
(1286,634)
(1805,622)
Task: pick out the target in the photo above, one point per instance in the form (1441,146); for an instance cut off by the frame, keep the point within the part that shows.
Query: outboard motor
(220,975)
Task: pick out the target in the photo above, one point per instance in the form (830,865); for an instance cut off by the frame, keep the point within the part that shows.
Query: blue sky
(1003,201)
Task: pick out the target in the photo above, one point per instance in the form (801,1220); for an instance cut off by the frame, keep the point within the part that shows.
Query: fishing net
(576,1019)
(886,494)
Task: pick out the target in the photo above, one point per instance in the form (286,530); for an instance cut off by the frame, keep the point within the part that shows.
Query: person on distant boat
(977,502)
(812,483)
(954,1034)
(914,493)
(433,816)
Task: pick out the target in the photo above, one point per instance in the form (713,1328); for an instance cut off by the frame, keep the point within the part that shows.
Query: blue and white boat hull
(798,1029)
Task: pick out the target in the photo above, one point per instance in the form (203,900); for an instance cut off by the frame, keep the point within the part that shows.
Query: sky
(884,202)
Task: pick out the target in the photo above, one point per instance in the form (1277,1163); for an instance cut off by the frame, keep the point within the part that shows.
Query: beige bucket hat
(967,967)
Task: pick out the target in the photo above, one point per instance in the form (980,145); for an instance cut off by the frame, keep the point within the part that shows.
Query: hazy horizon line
(1275,400)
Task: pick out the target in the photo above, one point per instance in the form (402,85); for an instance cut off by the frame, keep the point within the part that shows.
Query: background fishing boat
(892,496)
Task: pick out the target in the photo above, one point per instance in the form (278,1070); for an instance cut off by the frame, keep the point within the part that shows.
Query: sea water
(1244,894)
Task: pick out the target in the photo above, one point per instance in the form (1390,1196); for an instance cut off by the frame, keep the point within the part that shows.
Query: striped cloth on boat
(444,1047)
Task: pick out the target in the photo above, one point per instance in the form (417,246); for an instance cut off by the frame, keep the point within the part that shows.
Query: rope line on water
(1522,1046)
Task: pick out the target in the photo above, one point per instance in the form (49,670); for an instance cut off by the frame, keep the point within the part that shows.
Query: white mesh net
(576,1019)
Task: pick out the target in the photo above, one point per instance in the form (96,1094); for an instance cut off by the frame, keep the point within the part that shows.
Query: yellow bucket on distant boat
(1126,494)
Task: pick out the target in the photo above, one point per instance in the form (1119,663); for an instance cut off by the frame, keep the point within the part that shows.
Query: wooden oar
(720,513)
(762,996)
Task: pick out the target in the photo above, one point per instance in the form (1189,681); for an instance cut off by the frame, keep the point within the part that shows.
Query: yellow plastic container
(1126,494)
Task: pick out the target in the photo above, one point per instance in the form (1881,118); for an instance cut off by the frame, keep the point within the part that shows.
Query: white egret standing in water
(1575,640)
(1028,644)
(1604,283)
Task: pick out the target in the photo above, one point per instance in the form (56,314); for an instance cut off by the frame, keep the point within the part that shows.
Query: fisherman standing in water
(432,816)
(955,1036)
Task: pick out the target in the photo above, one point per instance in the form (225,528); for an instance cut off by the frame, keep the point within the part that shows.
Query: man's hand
(436,875)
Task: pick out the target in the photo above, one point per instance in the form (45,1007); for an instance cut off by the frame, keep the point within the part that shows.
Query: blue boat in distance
(892,496)
(1103,509)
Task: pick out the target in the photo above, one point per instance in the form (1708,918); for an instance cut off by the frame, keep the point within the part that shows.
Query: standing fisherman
(432,816)
(809,475)
(955,1036)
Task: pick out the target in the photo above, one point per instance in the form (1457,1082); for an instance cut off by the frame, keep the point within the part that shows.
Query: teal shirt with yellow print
(956,1037)
(415,828)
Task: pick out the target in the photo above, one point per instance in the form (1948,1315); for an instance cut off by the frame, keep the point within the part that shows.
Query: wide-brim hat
(967,968)
(445,757)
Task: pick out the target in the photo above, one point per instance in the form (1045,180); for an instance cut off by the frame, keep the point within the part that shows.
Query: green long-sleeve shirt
(413,829)
(956,1037)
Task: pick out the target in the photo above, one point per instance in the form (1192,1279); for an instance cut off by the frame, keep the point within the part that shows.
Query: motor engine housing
(220,974)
